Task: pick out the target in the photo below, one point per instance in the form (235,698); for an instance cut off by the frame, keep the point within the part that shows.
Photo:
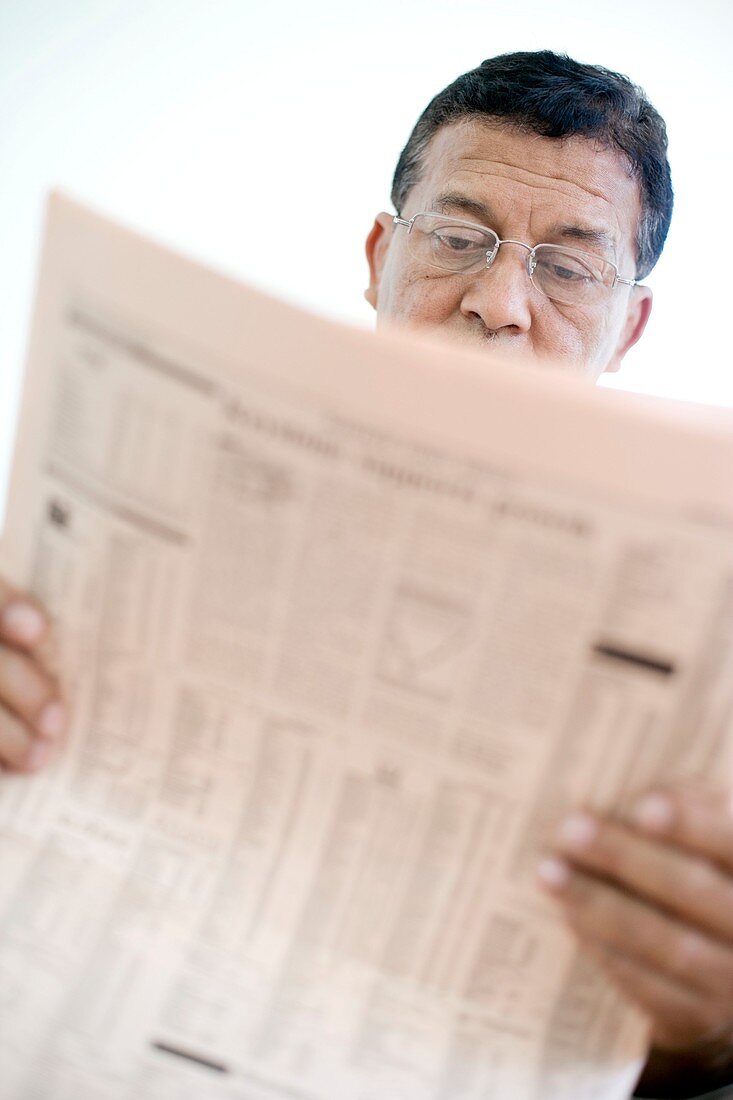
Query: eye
(457,240)
(562,268)
(568,275)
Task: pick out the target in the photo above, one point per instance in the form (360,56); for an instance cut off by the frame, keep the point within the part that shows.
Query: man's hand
(650,897)
(32,713)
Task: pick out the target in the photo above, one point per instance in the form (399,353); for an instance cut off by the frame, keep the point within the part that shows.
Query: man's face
(526,188)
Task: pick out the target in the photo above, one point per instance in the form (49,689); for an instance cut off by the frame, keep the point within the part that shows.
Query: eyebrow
(454,200)
(580,233)
(457,201)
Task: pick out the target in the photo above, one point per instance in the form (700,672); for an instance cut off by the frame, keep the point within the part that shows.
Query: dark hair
(552,95)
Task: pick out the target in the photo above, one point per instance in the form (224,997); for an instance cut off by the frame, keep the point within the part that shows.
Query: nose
(501,295)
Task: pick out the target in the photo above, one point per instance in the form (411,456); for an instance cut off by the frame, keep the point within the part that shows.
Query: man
(532,195)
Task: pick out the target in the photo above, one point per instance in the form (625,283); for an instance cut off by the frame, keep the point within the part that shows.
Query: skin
(33,716)
(571,188)
(648,892)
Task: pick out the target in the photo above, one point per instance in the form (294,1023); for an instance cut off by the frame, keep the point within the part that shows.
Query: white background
(262,137)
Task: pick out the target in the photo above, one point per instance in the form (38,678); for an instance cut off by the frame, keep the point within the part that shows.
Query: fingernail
(654,812)
(24,621)
(52,720)
(553,873)
(38,755)
(577,831)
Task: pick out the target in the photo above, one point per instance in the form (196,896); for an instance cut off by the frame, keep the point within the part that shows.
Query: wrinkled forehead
(548,179)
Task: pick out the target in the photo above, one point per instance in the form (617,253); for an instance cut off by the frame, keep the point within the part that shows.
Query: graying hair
(550,94)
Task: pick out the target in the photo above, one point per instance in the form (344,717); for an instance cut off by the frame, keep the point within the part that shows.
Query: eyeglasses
(565,275)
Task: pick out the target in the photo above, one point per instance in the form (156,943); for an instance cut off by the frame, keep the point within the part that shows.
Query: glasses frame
(491,254)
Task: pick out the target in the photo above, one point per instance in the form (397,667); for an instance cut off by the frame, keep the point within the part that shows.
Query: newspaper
(347,622)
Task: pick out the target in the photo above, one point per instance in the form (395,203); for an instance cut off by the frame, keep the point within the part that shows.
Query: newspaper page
(346,621)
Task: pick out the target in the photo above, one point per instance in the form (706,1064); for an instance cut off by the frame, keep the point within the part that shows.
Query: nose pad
(531,258)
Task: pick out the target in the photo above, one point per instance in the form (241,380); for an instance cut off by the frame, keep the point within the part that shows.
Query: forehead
(525,175)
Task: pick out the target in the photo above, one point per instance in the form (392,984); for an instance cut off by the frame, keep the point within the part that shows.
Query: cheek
(577,339)
(416,296)
(601,340)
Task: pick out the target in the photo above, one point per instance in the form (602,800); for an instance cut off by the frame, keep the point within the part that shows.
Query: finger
(30,694)
(700,822)
(693,888)
(696,789)
(692,961)
(22,622)
(19,749)
(679,1018)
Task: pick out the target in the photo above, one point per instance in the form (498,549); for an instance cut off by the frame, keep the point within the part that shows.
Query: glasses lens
(450,245)
(574,278)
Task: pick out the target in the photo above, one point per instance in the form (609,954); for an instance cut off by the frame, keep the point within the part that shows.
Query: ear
(377,244)
(637,315)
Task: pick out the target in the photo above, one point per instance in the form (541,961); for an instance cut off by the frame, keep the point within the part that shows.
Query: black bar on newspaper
(629,657)
(198,1059)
